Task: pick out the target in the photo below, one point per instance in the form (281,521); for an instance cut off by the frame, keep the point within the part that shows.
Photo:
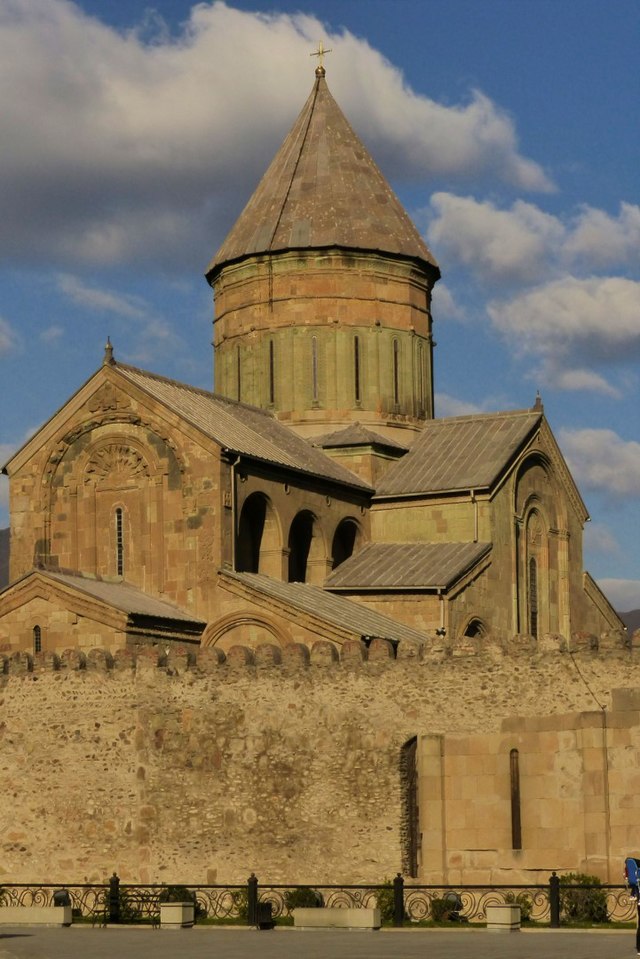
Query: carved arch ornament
(119,459)
(214,632)
(63,445)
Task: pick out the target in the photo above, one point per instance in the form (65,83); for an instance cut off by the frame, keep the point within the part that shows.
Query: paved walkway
(215,943)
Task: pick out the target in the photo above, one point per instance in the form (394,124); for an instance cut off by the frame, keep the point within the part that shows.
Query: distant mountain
(4,558)
(631,620)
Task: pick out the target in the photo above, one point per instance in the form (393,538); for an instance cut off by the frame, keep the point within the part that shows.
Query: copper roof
(338,610)
(322,190)
(460,453)
(355,435)
(240,428)
(382,566)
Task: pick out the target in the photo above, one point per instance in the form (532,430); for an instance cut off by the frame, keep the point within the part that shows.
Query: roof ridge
(211,394)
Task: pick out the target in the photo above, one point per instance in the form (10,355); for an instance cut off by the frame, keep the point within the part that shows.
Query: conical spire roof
(323,189)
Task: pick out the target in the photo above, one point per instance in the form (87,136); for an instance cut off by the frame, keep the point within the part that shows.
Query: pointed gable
(323,189)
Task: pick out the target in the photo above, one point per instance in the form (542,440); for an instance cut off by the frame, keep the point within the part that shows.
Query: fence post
(114,899)
(252,900)
(398,900)
(554,900)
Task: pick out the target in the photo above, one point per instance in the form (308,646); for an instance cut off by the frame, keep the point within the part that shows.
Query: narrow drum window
(314,369)
(396,372)
(119,541)
(356,368)
(37,639)
(516,824)
(238,383)
(272,374)
(421,397)
(533,597)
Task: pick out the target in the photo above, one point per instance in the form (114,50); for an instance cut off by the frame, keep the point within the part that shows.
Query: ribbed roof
(355,434)
(322,189)
(243,429)
(123,596)
(460,453)
(338,610)
(407,565)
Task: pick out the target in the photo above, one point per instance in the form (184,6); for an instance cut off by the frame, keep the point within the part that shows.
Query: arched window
(514,776)
(238,383)
(356,368)
(396,371)
(314,369)
(37,639)
(119,519)
(250,530)
(421,378)
(533,597)
(272,374)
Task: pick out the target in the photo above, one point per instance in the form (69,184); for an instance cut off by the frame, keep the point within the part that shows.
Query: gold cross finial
(319,53)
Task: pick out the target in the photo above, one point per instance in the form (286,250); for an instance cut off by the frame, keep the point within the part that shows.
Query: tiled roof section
(334,609)
(322,189)
(243,429)
(407,565)
(460,453)
(355,435)
(123,596)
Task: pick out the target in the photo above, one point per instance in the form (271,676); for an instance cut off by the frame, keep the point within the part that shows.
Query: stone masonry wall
(196,767)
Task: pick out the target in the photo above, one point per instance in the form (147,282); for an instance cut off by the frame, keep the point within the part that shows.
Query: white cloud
(598,538)
(496,245)
(520,243)
(100,300)
(120,146)
(447,405)
(601,460)
(573,323)
(601,239)
(623,594)
(9,339)
(444,303)
(51,334)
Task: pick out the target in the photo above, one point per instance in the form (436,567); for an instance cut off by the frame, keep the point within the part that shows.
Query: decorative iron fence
(399,903)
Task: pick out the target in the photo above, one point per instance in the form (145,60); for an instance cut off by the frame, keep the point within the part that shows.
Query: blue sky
(133,133)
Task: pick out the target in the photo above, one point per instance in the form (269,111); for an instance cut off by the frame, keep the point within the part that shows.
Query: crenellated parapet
(177,659)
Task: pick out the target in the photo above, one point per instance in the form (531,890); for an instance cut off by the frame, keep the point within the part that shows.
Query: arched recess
(541,548)
(534,572)
(101,496)
(259,538)
(346,540)
(476,628)
(306,548)
(246,629)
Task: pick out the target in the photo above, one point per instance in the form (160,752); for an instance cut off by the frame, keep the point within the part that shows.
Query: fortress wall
(196,767)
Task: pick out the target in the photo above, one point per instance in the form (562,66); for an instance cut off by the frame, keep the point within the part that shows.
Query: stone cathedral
(315,495)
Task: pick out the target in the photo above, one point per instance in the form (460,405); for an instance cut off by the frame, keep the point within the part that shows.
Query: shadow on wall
(4,558)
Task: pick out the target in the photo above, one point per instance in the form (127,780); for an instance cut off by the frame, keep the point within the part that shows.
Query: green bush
(385,902)
(303,897)
(447,909)
(587,902)
(240,899)
(522,900)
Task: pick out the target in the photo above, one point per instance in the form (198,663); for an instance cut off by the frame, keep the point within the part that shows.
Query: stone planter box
(176,915)
(336,918)
(503,918)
